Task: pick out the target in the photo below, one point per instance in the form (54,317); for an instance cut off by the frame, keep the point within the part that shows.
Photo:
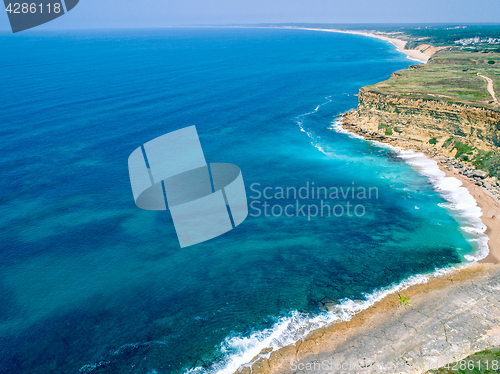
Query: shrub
(492,164)
(462,149)
(488,161)
(481,364)
(388,131)
(480,159)
(433,141)
(447,142)
(491,62)
(403,300)
(411,44)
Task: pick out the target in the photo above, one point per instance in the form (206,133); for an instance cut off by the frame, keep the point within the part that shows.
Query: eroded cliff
(420,120)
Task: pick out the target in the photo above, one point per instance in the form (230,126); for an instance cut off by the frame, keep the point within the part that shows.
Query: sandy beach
(413,54)
(489,203)
(451,316)
(490,206)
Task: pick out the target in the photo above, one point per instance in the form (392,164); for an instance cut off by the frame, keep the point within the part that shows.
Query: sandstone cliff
(414,120)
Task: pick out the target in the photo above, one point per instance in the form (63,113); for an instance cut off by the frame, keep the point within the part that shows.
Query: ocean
(92,284)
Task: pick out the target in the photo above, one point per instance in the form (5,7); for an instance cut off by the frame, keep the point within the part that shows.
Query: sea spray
(460,203)
(243,351)
(300,122)
(116,275)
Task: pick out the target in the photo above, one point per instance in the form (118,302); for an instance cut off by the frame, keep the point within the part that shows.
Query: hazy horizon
(150,13)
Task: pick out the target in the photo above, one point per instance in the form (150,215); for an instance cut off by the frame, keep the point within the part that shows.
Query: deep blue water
(87,278)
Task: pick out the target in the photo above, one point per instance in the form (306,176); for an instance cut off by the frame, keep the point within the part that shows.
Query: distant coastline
(412,54)
(332,342)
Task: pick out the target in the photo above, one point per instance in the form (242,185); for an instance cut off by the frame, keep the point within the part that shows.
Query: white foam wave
(243,351)
(460,202)
(407,56)
(336,125)
(310,133)
(89,368)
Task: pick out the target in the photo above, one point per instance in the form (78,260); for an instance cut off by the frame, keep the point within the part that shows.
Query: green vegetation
(433,141)
(451,75)
(403,300)
(388,130)
(462,149)
(447,142)
(492,164)
(488,161)
(411,44)
(480,158)
(485,362)
(445,35)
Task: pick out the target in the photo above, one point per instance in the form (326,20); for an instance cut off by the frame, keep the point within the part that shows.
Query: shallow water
(90,283)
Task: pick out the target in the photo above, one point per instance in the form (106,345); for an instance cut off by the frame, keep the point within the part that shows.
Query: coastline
(488,203)
(412,54)
(337,341)
(348,339)
(439,327)
(323,343)
(490,207)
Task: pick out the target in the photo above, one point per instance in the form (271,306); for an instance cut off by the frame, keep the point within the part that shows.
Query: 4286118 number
(18,8)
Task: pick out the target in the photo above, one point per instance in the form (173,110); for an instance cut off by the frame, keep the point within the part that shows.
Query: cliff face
(419,120)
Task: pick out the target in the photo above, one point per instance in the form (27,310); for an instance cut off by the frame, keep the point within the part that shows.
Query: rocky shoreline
(453,315)
(479,177)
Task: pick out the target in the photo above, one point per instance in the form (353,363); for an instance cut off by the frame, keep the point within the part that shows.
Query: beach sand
(413,54)
(450,317)
(490,206)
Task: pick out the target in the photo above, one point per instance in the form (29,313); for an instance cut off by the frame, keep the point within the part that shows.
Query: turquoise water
(90,283)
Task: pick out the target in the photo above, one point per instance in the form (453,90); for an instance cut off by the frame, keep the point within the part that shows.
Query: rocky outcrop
(455,315)
(420,120)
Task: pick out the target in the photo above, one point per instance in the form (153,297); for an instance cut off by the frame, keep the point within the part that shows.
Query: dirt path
(490,88)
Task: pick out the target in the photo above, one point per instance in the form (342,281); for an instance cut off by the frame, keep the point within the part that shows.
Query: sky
(155,13)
